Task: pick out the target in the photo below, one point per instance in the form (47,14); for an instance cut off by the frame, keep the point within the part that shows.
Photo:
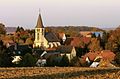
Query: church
(44,39)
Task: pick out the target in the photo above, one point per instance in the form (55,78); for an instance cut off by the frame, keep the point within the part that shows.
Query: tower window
(42,31)
(38,36)
(38,30)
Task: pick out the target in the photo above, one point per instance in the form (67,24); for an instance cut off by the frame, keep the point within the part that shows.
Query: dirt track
(59,73)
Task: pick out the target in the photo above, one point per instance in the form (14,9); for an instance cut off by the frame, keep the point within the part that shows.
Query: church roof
(39,22)
(51,37)
(65,49)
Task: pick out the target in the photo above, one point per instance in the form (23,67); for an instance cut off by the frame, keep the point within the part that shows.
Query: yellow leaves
(94,45)
(29,41)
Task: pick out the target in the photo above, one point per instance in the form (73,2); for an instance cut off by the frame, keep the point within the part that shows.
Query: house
(16,59)
(54,56)
(44,39)
(95,58)
(46,55)
(73,41)
(86,33)
(90,33)
(76,41)
(69,51)
(98,33)
(105,54)
(62,36)
(19,50)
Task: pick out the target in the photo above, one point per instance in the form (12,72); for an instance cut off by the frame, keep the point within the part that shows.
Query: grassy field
(59,73)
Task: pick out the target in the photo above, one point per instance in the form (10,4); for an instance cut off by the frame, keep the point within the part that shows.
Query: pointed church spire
(39,22)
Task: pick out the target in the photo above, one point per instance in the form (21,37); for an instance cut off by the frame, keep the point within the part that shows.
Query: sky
(97,13)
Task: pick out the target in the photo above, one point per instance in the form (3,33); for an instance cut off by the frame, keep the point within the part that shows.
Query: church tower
(39,33)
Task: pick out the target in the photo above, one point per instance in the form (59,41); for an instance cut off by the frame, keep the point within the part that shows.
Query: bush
(117,58)
(53,60)
(75,62)
(49,61)
(64,61)
(5,59)
(28,60)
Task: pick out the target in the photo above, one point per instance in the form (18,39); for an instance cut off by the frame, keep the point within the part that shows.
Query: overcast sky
(101,13)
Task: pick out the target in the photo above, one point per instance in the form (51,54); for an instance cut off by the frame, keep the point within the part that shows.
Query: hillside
(108,29)
(71,30)
(76,28)
(10,29)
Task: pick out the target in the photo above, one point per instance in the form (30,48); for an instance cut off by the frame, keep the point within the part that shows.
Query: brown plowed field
(59,73)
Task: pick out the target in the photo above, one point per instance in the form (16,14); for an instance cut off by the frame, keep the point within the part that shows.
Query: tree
(114,41)
(53,61)
(99,37)
(75,62)
(93,35)
(94,45)
(29,41)
(21,41)
(104,39)
(113,44)
(5,60)
(2,29)
(49,61)
(28,60)
(24,37)
(117,58)
(19,29)
(64,61)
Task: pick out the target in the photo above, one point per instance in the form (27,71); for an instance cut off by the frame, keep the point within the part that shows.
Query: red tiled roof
(91,55)
(65,49)
(49,49)
(68,41)
(75,41)
(61,35)
(89,34)
(106,54)
(85,39)
(84,33)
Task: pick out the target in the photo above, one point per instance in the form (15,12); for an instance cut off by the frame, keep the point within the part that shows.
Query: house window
(19,52)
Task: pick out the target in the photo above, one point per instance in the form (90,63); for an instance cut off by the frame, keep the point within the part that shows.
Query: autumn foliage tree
(114,44)
(94,44)
(114,41)
(22,35)
(2,29)
(104,39)
(75,62)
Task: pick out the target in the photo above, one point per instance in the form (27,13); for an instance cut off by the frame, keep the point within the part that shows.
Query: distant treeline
(71,30)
